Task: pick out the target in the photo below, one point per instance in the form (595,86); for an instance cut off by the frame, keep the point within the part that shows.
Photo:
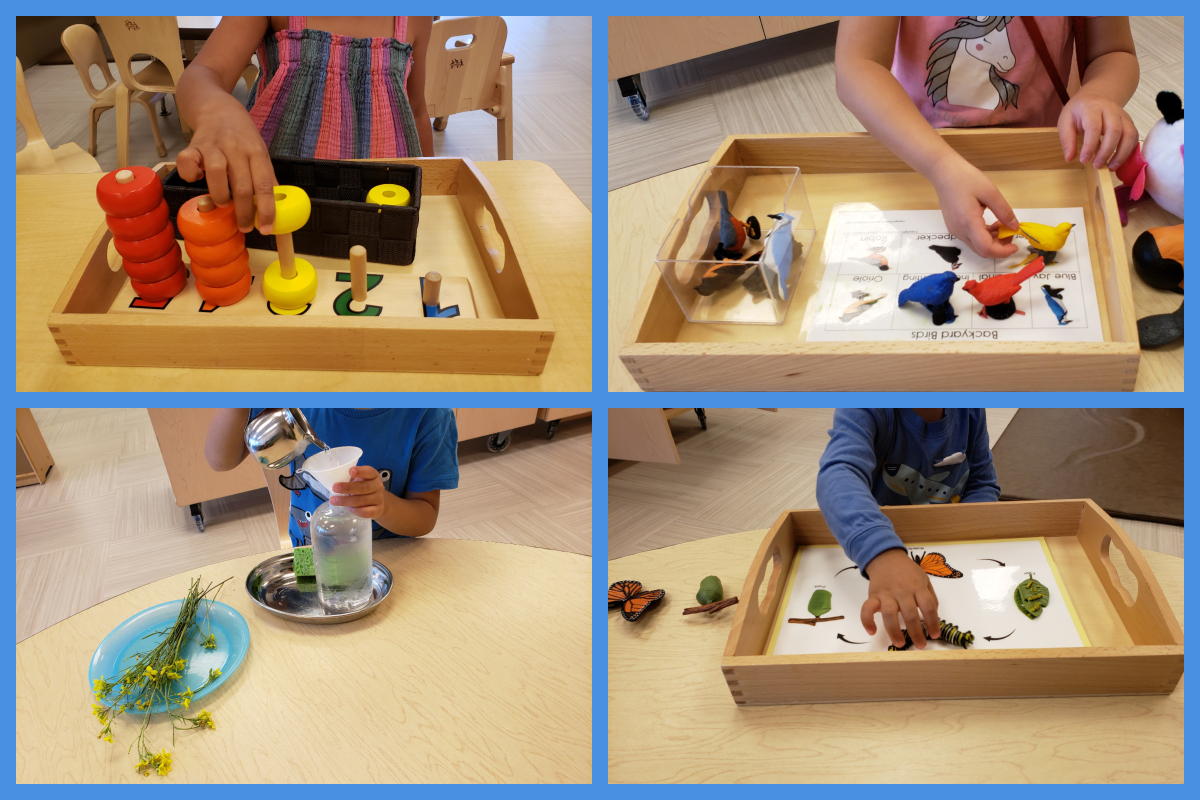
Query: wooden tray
(464,237)
(1136,643)
(664,352)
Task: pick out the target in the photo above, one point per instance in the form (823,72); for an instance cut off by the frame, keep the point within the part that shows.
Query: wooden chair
(83,45)
(37,158)
(470,77)
(129,37)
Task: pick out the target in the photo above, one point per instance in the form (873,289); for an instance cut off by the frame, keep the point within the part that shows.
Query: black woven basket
(340,219)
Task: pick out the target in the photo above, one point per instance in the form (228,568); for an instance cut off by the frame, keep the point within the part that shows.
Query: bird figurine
(1054,299)
(1043,240)
(721,276)
(777,253)
(933,292)
(996,293)
(733,231)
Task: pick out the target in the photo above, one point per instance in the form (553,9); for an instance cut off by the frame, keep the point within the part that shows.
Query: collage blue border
(599,399)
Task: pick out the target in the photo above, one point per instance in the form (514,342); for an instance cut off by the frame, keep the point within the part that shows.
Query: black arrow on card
(840,571)
(1001,563)
(998,638)
(847,641)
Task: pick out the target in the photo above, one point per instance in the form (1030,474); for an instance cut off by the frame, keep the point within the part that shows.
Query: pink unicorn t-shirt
(967,72)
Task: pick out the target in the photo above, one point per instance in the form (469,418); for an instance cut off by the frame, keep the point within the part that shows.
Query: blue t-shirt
(414,450)
(891,456)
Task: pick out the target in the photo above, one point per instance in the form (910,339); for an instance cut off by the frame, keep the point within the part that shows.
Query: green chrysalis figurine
(711,591)
(820,602)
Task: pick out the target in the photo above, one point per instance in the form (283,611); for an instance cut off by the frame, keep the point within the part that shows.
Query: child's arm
(1098,109)
(225,445)
(981,484)
(898,586)
(865,47)
(226,147)
(421,29)
(415,514)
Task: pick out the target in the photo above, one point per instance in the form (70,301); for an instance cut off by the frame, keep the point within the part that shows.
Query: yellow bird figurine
(1043,240)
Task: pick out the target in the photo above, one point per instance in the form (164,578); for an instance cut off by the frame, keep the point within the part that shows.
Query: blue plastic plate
(137,635)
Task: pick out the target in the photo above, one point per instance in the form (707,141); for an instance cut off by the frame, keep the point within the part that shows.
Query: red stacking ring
(206,227)
(139,196)
(224,275)
(225,295)
(143,227)
(156,246)
(157,270)
(163,290)
(215,255)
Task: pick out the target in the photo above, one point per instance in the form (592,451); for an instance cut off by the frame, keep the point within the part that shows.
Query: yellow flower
(164,762)
(205,720)
(216,673)
(151,672)
(106,736)
(99,712)
(98,687)
(185,701)
(143,766)
(210,643)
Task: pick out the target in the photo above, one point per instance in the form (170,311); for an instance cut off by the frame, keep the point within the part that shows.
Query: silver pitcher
(278,436)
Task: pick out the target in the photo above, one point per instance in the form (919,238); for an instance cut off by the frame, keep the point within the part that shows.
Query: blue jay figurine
(777,253)
(933,292)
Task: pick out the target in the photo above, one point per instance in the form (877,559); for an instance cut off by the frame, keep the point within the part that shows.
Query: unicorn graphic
(965,66)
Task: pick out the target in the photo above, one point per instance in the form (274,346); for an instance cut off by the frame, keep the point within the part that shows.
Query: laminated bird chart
(976,585)
(872,256)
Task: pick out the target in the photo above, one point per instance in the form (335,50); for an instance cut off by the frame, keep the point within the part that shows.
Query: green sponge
(302,562)
(306,584)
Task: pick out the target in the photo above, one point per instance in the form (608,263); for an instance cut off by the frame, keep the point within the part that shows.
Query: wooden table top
(455,678)
(639,215)
(57,216)
(665,682)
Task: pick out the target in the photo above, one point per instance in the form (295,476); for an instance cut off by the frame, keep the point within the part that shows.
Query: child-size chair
(470,77)
(37,158)
(129,37)
(83,45)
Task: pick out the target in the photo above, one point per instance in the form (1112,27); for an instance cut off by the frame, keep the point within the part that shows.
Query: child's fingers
(927,602)
(999,206)
(984,242)
(363,472)
(241,184)
(867,615)
(1068,136)
(1110,142)
(189,164)
(264,190)
(890,612)
(216,174)
(357,487)
(913,622)
(1093,124)
(1129,140)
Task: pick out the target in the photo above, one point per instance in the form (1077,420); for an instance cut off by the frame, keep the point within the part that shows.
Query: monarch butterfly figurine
(935,564)
(628,595)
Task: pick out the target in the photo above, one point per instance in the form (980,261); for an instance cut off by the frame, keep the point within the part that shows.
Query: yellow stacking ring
(292,209)
(389,194)
(290,297)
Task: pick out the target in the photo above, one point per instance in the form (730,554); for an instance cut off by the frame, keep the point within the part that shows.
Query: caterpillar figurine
(950,634)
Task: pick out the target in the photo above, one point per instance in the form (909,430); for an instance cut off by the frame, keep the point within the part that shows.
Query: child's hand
(364,493)
(1109,134)
(899,587)
(963,193)
(228,149)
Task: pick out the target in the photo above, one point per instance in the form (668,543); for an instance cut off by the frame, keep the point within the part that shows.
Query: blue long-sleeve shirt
(885,456)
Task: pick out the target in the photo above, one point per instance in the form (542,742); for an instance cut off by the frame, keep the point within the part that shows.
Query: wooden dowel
(432,290)
(287,256)
(813,620)
(711,608)
(358,273)
(205,204)
(125,176)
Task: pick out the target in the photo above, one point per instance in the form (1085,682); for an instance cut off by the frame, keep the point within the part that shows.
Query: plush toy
(1156,165)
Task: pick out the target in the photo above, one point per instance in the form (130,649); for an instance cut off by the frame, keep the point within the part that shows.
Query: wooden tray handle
(752,625)
(1148,617)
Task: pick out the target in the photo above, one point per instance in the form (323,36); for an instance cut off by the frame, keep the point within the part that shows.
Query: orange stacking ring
(225,295)
(140,196)
(206,227)
(162,290)
(149,249)
(157,270)
(216,255)
(224,275)
(142,227)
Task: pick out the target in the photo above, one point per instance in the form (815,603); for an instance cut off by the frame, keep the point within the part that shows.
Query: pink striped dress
(321,95)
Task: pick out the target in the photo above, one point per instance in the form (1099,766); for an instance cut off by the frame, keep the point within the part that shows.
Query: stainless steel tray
(272,584)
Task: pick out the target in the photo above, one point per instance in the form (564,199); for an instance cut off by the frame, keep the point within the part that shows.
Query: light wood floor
(552,108)
(106,521)
(740,473)
(786,85)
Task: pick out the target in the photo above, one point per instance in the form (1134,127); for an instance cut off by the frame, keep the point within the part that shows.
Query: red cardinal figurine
(996,293)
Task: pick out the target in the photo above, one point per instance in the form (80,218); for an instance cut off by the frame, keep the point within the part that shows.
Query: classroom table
(458,676)
(672,719)
(57,216)
(639,215)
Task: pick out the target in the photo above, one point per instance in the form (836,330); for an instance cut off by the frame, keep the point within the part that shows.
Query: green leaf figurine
(711,591)
(820,602)
(1032,597)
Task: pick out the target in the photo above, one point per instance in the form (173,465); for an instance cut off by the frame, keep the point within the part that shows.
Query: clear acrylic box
(739,288)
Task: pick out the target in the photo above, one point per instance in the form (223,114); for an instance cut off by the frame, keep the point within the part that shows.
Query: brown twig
(814,620)
(712,607)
